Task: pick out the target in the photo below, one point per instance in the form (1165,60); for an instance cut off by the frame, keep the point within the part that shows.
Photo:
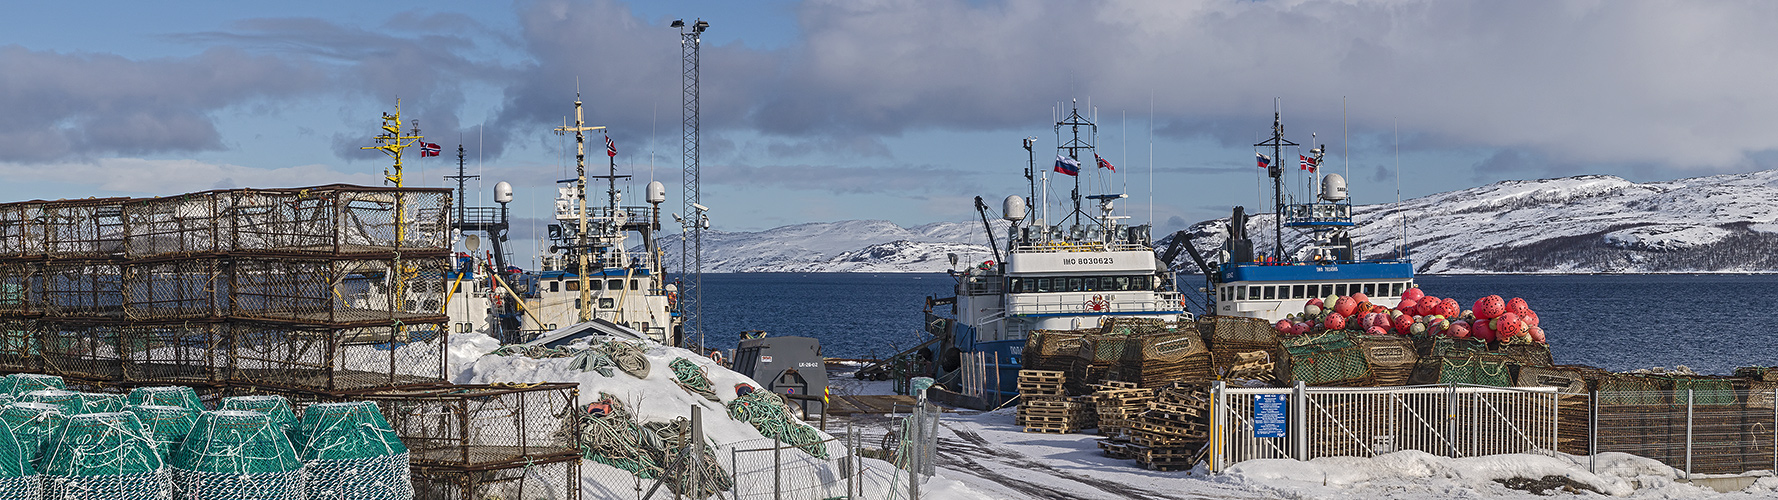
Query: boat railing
(1060,247)
(1029,305)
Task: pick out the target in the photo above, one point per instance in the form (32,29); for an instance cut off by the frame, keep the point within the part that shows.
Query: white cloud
(167,177)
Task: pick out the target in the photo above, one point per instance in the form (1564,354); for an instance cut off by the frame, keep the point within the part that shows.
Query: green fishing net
(691,377)
(32,424)
(274,407)
(173,395)
(237,455)
(168,425)
(18,478)
(103,455)
(101,402)
(18,384)
(350,451)
(766,411)
(70,402)
(611,436)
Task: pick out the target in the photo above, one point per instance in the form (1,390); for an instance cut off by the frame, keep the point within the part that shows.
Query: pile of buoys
(1491,318)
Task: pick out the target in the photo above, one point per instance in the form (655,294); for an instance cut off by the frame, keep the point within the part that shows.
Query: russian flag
(1264,161)
(1067,165)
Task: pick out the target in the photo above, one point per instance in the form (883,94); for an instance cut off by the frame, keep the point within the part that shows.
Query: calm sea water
(1711,323)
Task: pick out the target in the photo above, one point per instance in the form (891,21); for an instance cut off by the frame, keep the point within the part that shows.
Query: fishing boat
(1067,274)
(1243,282)
(590,277)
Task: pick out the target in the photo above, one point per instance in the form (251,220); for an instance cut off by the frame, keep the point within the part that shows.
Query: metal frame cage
(483,426)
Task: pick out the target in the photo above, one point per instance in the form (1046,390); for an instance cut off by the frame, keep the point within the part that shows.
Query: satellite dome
(1013,209)
(1333,187)
(503,192)
(657,192)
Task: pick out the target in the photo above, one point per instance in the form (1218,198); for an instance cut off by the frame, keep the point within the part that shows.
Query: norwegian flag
(1308,163)
(430,149)
(1103,163)
(610,147)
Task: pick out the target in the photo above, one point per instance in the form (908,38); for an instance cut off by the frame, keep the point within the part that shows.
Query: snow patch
(1665,237)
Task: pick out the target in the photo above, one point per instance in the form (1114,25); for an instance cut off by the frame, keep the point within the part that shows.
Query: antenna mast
(691,260)
(1276,171)
(1074,122)
(580,129)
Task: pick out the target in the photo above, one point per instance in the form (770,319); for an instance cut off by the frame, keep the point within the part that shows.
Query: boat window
(1370,288)
(1044,285)
(1012,284)
(1028,286)
(574,286)
(614,285)
(555,286)
(607,303)
(1073,284)
(595,284)
(1395,290)
(1340,289)
(635,285)
(1296,291)
(1240,293)
(1269,291)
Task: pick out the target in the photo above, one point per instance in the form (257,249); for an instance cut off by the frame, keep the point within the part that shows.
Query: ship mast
(580,129)
(391,142)
(1074,122)
(1276,171)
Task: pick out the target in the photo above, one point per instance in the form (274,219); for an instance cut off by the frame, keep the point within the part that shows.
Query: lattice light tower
(691,239)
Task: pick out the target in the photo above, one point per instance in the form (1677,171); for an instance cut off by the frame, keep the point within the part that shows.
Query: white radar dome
(1013,209)
(657,192)
(502,192)
(1333,187)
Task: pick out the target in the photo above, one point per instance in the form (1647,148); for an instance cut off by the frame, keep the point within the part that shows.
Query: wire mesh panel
(83,229)
(21,288)
(339,292)
(340,220)
(196,288)
(272,355)
(480,425)
(19,350)
(21,230)
(760,472)
(178,353)
(176,225)
(81,289)
(556,478)
(1703,432)
(80,351)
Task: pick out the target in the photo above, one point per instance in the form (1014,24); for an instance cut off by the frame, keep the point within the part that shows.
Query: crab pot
(80,351)
(337,359)
(237,454)
(351,452)
(274,407)
(82,229)
(17,384)
(480,425)
(81,289)
(32,424)
(167,425)
(183,353)
(179,395)
(340,220)
(68,402)
(103,455)
(177,225)
(194,288)
(18,477)
(556,478)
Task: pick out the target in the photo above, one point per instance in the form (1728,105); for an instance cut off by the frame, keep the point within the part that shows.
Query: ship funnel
(1333,187)
(1013,209)
(657,192)
(503,192)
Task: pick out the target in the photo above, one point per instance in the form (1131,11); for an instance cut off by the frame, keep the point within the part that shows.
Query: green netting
(1705,392)
(22,488)
(69,401)
(676,460)
(103,455)
(767,412)
(166,395)
(168,425)
(1477,369)
(691,377)
(18,384)
(32,424)
(1329,359)
(1621,389)
(592,360)
(15,460)
(350,451)
(628,356)
(101,402)
(609,435)
(237,454)
(1448,346)
(273,406)
(345,431)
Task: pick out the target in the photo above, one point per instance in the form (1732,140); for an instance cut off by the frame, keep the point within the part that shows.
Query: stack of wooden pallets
(1045,407)
(1169,434)
(1254,365)
(1117,403)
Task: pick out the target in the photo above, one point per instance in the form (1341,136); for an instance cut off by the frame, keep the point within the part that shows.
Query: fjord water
(1711,323)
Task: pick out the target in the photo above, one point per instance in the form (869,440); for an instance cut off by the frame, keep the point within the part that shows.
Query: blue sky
(827,110)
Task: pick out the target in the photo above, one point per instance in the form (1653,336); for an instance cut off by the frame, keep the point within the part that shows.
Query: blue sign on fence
(1270,415)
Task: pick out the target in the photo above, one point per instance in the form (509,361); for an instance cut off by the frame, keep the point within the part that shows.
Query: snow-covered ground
(982,455)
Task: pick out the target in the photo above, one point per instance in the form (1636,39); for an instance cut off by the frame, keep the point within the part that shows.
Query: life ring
(716,355)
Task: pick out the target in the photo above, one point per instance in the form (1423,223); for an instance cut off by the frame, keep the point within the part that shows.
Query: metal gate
(1309,422)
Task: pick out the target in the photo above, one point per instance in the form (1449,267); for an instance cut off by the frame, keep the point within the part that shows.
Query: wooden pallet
(1181,429)
(1050,430)
(1113,385)
(1061,404)
(1040,377)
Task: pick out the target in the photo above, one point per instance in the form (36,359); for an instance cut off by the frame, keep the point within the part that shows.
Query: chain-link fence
(1719,430)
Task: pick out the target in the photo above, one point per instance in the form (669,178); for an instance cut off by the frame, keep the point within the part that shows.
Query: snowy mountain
(871,246)
(1584,224)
